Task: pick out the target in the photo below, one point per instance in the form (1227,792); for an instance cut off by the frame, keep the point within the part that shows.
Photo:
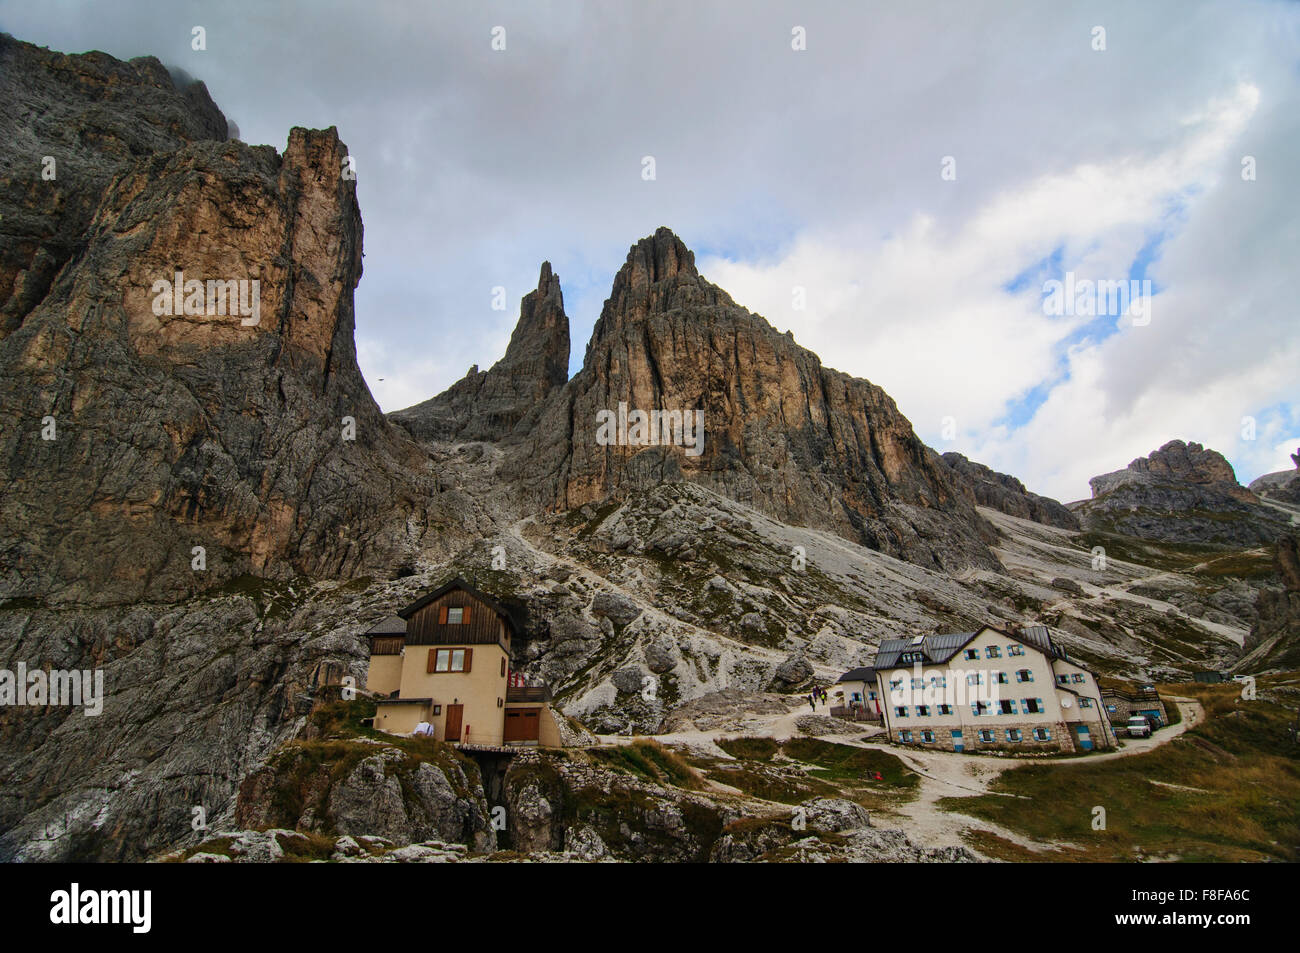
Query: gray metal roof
(393,625)
(937,648)
(864,674)
(1040,637)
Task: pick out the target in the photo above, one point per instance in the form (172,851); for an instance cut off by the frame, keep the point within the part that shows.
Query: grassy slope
(1237,793)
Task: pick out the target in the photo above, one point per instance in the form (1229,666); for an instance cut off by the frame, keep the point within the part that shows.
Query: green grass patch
(749,749)
(836,762)
(1226,791)
(651,761)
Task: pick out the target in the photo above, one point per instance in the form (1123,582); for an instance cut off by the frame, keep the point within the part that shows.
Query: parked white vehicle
(1138,727)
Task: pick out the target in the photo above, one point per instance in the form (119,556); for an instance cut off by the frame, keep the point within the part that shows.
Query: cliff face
(1181,493)
(488,405)
(71,124)
(807,444)
(986,487)
(146,423)
(1274,640)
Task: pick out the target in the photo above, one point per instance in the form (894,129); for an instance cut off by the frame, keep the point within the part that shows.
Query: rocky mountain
(760,421)
(985,487)
(811,524)
(1280,487)
(1274,639)
(227,413)
(1181,493)
(489,405)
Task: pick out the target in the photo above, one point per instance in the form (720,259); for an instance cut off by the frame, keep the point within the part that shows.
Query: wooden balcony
(530,693)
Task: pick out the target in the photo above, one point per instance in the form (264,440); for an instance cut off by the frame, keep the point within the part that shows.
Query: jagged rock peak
(658,257)
(1178,462)
(489,405)
(659,275)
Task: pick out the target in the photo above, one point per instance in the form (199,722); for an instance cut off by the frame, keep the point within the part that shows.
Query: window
(945,709)
(927,736)
(918,684)
(1015,650)
(1014,734)
(450,660)
(454,616)
(972,653)
(986,735)
(910,657)
(1085,702)
(1032,706)
(905,736)
(1024,675)
(900,711)
(975,678)
(895,683)
(1076,678)
(993,652)
(1042,734)
(922,711)
(503,666)
(979,708)
(1063,679)
(1001,678)
(1007,707)
(939,681)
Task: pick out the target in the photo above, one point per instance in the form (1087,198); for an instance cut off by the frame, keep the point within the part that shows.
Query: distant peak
(548,283)
(658,257)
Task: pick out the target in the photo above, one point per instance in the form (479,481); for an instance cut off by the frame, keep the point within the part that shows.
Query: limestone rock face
(805,443)
(383,794)
(1282,486)
(986,487)
(1274,640)
(488,405)
(1181,493)
(137,435)
(68,126)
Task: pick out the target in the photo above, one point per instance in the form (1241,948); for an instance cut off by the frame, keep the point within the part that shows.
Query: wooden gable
(431,620)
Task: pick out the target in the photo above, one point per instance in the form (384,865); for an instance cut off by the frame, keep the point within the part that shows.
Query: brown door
(454,714)
(522,724)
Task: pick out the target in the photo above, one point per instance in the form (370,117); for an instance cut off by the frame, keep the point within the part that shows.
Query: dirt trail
(943,774)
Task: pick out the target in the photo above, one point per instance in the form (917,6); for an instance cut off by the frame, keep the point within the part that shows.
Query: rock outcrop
(489,405)
(773,427)
(1282,486)
(68,126)
(237,421)
(359,788)
(986,487)
(1274,640)
(1181,493)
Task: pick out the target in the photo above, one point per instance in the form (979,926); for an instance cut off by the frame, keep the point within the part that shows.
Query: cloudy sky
(898,193)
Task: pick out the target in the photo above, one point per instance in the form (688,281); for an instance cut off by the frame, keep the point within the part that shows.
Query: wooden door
(454,715)
(523,724)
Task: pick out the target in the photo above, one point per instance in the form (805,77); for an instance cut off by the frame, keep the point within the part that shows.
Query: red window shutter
(442,615)
(433,660)
(469,657)
(464,616)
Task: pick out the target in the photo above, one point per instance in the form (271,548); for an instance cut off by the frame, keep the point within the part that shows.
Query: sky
(900,192)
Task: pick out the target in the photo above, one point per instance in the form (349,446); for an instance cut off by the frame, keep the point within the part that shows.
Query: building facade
(444,662)
(989,690)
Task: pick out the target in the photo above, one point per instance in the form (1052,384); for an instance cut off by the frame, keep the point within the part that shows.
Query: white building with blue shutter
(989,690)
